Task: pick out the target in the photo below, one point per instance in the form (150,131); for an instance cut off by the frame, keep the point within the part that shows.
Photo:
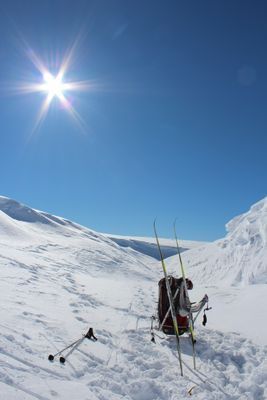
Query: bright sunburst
(54,86)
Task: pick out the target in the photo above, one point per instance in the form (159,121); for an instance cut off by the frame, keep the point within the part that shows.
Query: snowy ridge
(44,232)
(238,259)
(57,278)
(149,246)
(20,212)
(21,215)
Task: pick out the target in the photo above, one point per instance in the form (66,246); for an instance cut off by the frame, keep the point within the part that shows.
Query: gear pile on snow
(175,311)
(182,305)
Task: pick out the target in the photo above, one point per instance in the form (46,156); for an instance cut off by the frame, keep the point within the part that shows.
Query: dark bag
(163,306)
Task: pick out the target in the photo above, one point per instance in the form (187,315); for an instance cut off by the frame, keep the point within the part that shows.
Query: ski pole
(89,335)
(52,356)
(63,359)
(73,345)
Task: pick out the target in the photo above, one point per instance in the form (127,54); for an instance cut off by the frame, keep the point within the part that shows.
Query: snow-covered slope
(148,245)
(59,238)
(57,278)
(238,259)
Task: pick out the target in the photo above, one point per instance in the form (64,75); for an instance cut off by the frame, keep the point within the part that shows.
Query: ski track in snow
(61,278)
(141,370)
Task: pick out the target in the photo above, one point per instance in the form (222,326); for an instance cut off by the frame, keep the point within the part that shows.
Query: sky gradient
(176,127)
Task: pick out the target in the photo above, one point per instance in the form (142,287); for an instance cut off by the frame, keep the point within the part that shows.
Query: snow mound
(20,212)
(250,227)
(238,259)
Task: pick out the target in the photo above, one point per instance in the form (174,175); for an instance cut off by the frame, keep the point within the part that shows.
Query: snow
(59,278)
(149,246)
(238,259)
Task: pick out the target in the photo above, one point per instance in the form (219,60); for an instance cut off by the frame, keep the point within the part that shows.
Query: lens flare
(54,86)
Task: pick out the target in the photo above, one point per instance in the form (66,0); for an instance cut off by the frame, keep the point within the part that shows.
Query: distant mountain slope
(14,217)
(149,247)
(238,259)
(41,231)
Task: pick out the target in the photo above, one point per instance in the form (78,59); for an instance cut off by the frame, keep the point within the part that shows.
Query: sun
(53,86)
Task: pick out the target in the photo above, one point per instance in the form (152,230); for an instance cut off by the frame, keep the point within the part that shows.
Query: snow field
(58,279)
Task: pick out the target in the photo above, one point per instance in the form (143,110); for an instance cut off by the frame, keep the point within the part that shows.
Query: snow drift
(238,259)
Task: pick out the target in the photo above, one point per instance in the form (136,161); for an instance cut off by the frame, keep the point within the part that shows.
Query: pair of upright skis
(71,347)
(171,302)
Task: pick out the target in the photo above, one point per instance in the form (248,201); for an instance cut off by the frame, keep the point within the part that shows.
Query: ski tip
(190,390)
(51,357)
(154,226)
(62,360)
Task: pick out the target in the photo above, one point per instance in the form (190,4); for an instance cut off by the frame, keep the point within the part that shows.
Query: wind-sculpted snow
(149,246)
(238,259)
(20,212)
(57,279)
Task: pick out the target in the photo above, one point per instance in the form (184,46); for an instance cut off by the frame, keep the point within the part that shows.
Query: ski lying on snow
(71,347)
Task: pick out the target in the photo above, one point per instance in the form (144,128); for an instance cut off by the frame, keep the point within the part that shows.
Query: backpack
(164,305)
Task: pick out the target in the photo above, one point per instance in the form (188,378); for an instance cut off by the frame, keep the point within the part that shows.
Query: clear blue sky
(178,129)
